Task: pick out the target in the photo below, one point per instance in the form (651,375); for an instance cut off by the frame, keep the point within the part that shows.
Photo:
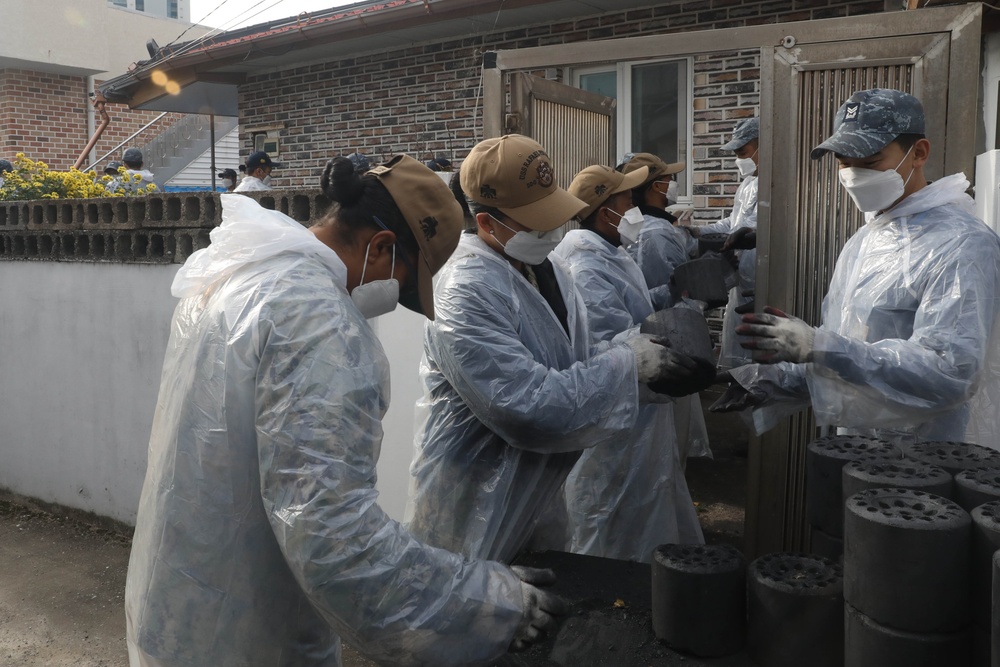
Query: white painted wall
(83,348)
(82,36)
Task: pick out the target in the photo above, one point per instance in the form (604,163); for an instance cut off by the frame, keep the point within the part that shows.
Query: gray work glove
(654,361)
(735,398)
(775,336)
(540,608)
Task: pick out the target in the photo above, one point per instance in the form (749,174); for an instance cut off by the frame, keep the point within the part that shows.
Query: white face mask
(630,224)
(529,247)
(746,165)
(379,296)
(672,193)
(267,180)
(227,183)
(873,189)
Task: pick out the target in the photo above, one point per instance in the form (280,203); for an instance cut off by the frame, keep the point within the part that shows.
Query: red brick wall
(426,99)
(44,116)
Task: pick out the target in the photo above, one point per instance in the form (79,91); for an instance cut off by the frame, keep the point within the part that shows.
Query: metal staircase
(169,152)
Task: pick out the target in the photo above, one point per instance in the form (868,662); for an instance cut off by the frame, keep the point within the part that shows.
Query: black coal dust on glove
(541,609)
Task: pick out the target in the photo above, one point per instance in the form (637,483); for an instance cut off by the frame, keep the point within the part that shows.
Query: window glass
(602,83)
(659,112)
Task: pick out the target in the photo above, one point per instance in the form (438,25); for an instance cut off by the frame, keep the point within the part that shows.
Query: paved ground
(62,574)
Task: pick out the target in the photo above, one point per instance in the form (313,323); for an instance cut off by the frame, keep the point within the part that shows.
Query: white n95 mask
(630,224)
(746,165)
(379,296)
(672,192)
(873,189)
(532,248)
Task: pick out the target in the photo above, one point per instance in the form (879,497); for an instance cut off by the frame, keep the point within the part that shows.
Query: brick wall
(426,99)
(44,116)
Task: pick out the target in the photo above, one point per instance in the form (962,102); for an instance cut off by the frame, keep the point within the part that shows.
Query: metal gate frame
(774,515)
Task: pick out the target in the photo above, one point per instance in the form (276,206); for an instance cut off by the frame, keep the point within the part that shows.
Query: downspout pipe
(99,102)
(90,113)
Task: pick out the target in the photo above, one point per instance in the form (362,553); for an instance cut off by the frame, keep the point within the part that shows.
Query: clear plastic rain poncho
(509,402)
(744,214)
(623,502)
(661,247)
(259,538)
(907,332)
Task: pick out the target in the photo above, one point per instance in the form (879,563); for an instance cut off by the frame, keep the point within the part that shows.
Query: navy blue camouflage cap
(360,162)
(870,120)
(744,132)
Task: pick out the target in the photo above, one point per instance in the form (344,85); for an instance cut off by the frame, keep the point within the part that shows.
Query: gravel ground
(62,572)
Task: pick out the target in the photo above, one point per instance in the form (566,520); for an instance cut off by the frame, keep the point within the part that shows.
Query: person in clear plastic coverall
(259,539)
(622,502)
(512,391)
(660,248)
(741,225)
(905,350)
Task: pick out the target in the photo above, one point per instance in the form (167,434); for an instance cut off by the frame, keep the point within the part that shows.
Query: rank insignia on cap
(600,189)
(486,192)
(851,111)
(545,176)
(429,227)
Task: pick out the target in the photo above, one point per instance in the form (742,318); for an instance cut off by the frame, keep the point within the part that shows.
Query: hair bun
(340,182)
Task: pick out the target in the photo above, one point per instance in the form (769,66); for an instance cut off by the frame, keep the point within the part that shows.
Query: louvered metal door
(805,217)
(576,127)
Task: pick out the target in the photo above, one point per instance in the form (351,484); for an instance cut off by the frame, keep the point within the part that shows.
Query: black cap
(439,164)
(5,165)
(261,159)
(132,156)
(227,173)
(112,168)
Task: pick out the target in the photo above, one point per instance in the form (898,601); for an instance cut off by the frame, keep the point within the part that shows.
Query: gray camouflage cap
(743,133)
(870,120)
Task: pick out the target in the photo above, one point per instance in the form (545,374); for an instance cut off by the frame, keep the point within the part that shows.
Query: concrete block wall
(159,229)
(44,116)
(426,99)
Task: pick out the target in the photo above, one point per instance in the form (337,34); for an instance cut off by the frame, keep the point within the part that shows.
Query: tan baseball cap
(597,183)
(657,168)
(431,211)
(514,174)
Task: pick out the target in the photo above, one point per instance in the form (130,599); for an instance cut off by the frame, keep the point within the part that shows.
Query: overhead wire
(245,16)
(479,88)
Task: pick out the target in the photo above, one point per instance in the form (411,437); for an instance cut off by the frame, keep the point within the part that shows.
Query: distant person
(5,167)
(741,227)
(113,171)
(361,162)
(439,164)
(259,167)
(134,166)
(660,246)
(228,177)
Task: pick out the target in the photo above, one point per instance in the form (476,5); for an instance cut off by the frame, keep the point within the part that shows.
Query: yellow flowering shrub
(34,180)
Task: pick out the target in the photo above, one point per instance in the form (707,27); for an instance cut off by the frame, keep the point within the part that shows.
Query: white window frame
(623,79)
